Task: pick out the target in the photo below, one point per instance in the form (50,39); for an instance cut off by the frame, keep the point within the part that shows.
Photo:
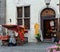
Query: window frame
(23,16)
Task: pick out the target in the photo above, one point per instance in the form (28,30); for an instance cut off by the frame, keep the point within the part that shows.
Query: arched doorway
(47,15)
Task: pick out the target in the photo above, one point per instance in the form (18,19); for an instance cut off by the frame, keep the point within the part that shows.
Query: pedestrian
(55,39)
(12,40)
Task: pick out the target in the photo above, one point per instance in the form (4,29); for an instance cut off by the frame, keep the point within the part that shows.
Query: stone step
(47,40)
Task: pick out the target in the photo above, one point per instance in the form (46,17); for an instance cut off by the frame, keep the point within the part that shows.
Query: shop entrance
(47,15)
(47,28)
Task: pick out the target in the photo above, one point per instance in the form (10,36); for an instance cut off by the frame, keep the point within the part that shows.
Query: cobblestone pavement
(30,47)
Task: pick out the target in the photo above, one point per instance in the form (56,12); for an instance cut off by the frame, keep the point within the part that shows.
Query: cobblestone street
(30,47)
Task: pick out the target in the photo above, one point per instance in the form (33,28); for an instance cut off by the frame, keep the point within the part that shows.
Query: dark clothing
(11,44)
(56,39)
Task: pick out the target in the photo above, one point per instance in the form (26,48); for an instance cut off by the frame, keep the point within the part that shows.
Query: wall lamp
(47,2)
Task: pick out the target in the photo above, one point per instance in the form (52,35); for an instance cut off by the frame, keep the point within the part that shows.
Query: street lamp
(47,2)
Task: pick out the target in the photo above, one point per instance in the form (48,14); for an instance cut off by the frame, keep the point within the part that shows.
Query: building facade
(30,12)
(2,12)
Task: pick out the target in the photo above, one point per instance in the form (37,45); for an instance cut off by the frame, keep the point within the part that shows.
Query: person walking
(12,40)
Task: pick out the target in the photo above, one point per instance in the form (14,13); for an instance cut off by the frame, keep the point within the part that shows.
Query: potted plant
(38,37)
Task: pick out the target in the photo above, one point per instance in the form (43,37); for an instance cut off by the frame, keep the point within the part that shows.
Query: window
(26,11)
(23,16)
(27,23)
(19,21)
(19,12)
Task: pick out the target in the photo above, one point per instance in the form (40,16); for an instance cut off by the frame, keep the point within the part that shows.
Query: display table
(4,37)
(5,40)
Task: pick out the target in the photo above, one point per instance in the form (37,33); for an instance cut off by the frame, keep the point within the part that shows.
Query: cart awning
(15,27)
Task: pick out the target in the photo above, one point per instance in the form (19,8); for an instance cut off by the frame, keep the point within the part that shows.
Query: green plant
(51,50)
(38,37)
(58,49)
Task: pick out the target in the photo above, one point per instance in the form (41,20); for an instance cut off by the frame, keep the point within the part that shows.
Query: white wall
(36,6)
(10,12)
(54,5)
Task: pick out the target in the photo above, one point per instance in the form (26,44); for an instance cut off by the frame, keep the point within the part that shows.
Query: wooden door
(57,25)
(55,29)
(47,28)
